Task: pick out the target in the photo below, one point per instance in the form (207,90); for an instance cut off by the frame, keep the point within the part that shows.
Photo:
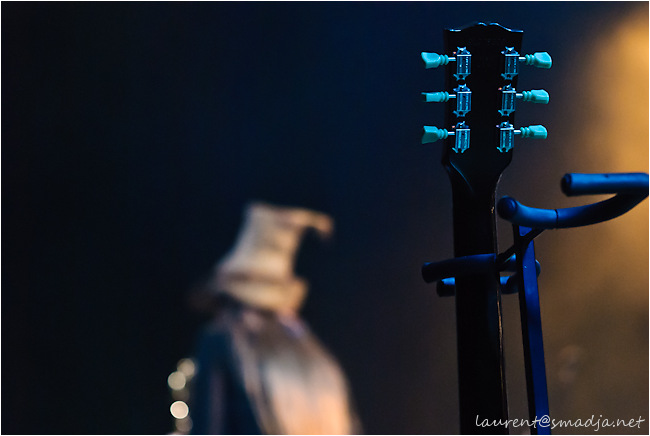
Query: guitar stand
(528,223)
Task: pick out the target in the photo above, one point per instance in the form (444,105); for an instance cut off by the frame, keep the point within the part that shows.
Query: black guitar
(483,65)
(482,69)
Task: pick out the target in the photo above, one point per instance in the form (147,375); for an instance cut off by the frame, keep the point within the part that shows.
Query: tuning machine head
(509,95)
(507,134)
(461,56)
(460,132)
(463,98)
(512,59)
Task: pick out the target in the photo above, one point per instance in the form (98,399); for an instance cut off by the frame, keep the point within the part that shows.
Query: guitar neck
(481,374)
(481,89)
(474,174)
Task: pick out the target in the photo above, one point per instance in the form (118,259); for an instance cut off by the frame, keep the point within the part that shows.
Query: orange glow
(594,281)
(618,83)
(610,134)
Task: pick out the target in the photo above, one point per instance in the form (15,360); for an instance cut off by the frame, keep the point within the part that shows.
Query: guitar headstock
(483,62)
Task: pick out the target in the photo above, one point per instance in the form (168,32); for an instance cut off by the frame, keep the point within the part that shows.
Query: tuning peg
(434,60)
(461,132)
(508,95)
(463,98)
(507,132)
(437,97)
(462,58)
(534,96)
(536,132)
(432,134)
(538,59)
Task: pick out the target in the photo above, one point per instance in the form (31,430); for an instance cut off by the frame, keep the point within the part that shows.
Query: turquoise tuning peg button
(434,60)
(539,59)
(536,132)
(535,96)
(435,97)
(432,134)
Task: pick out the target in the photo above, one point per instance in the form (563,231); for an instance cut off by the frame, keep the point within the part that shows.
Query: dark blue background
(133,135)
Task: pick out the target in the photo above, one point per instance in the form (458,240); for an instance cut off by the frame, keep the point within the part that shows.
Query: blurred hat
(258,271)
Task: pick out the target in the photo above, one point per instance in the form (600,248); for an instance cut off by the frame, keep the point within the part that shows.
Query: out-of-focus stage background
(134,134)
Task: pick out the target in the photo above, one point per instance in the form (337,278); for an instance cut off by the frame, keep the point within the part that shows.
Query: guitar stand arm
(459,266)
(630,190)
(446,271)
(509,284)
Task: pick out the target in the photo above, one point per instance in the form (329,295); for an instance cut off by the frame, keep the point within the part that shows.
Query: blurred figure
(259,368)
